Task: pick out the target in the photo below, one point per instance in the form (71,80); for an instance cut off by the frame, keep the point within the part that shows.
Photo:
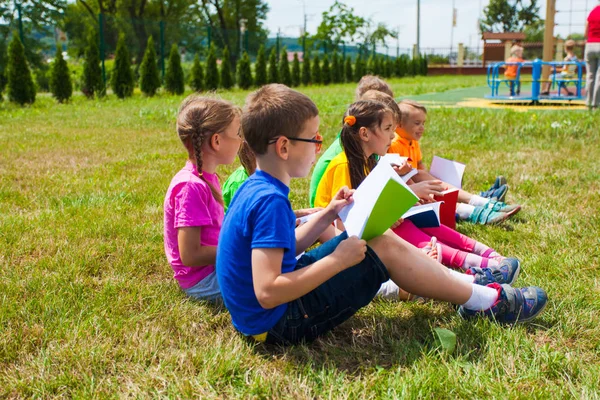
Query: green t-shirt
(232,184)
(321,166)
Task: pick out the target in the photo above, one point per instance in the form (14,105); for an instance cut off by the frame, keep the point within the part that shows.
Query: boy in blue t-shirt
(275,298)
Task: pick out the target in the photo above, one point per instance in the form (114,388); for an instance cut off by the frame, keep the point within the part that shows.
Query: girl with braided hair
(209,129)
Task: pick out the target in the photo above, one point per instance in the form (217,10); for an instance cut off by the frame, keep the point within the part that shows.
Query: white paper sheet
(448,171)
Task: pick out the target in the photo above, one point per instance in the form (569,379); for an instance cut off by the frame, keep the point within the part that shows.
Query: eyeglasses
(318,141)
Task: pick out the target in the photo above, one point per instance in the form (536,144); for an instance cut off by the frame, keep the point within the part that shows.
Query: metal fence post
(102,55)
(162,49)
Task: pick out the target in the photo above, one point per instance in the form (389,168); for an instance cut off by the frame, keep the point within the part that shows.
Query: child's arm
(192,253)
(273,288)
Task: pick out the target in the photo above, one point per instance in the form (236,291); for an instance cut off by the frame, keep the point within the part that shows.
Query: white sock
(472,260)
(478,200)
(388,290)
(480,248)
(462,277)
(464,211)
(482,298)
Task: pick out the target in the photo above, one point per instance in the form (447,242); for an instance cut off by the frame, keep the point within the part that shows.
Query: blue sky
(436,18)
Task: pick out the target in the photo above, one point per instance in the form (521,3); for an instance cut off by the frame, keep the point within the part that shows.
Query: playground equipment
(541,89)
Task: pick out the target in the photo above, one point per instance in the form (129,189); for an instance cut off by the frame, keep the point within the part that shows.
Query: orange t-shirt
(511,70)
(406,148)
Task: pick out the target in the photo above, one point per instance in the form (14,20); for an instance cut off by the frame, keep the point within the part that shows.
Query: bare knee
(389,246)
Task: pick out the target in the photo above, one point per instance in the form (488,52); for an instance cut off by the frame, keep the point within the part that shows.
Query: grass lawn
(89,308)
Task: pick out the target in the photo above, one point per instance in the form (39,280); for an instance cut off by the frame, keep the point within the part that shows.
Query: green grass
(89,308)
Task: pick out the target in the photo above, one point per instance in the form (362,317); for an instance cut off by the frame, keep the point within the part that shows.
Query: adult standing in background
(592,58)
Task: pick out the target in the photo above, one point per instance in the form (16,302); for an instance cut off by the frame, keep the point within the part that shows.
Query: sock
(464,211)
(388,290)
(473,260)
(462,277)
(482,298)
(482,250)
(478,201)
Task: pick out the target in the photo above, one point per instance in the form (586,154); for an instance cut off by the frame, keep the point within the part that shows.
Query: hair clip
(350,120)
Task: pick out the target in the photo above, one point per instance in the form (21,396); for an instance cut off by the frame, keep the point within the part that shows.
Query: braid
(197,140)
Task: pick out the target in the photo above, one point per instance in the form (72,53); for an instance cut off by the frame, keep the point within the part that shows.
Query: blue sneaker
(500,206)
(513,304)
(495,191)
(506,272)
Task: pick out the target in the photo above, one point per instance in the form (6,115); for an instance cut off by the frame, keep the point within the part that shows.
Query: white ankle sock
(464,211)
(478,200)
(482,298)
(472,260)
(462,277)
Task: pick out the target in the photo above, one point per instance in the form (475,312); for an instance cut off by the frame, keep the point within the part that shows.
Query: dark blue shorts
(334,301)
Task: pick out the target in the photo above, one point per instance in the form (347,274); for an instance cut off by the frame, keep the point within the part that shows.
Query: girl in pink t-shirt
(193,208)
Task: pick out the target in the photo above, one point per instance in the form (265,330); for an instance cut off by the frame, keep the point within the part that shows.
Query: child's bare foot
(433,250)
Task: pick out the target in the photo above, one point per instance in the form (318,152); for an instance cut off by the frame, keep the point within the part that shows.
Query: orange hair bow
(350,120)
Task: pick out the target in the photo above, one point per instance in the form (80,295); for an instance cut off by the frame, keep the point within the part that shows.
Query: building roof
(503,36)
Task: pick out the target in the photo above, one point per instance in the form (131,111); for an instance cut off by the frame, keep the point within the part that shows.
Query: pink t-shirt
(594,26)
(189,202)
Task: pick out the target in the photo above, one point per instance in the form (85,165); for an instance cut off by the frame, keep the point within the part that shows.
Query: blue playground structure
(572,83)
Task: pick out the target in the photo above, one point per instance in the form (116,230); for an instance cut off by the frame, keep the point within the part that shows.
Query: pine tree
(122,76)
(91,82)
(149,78)
(424,65)
(60,78)
(226,78)
(197,75)
(2,83)
(349,76)
(399,67)
(296,71)
(316,70)
(261,67)
(174,79)
(284,68)
(336,71)
(20,88)
(326,71)
(378,65)
(212,73)
(306,75)
(371,65)
(244,72)
(389,67)
(358,68)
(273,68)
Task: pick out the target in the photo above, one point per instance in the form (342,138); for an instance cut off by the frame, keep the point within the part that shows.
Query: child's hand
(341,199)
(427,189)
(350,252)
(402,169)
(397,223)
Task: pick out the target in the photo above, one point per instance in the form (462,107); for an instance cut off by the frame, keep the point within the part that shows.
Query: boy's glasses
(318,141)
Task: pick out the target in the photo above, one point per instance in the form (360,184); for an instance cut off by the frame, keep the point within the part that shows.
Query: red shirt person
(592,58)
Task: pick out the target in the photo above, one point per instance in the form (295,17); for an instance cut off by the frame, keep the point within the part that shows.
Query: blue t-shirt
(259,216)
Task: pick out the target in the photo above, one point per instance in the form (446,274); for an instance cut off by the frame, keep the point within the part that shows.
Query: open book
(379,201)
(449,198)
(396,159)
(424,216)
(447,171)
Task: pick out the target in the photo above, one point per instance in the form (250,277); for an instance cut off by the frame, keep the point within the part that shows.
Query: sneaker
(498,182)
(487,216)
(506,272)
(513,304)
(495,194)
(510,209)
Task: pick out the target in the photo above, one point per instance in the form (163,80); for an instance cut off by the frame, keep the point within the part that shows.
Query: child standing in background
(512,71)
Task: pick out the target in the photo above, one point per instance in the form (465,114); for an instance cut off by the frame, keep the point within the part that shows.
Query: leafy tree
(91,82)
(509,15)
(60,78)
(261,67)
(380,34)
(316,70)
(244,72)
(348,73)
(174,80)
(226,78)
(284,69)
(296,71)
(306,73)
(359,68)
(212,73)
(149,78)
(197,75)
(340,23)
(337,69)
(273,68)
(325,71)
(20,84)
(122,76)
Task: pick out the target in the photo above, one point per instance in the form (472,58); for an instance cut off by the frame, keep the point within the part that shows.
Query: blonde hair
(515,49)
(372,82)
(406,106)
(569,45)
(385,99)
(197,120)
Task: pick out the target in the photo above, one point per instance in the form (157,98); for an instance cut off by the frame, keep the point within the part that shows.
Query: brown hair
(198,119)
(569,45)
(372,82)
(406,106)
(275,110)
(385,99)
(368,114)
(247,158)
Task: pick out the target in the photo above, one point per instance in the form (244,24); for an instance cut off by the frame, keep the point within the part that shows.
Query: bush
(226,78)
(212,73)
(316,70)
(359,68)
(389,67)
(306,76)
(197,75)
(42,78)
(244,72)
(296,71)
(60,78)
(91,79)
(261,67)
(18,76)
(174,80)
(122,76)
(325,71)
(284,69)
(273,70)
(348,73)
(400,66)
(337,68)
(149,78)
